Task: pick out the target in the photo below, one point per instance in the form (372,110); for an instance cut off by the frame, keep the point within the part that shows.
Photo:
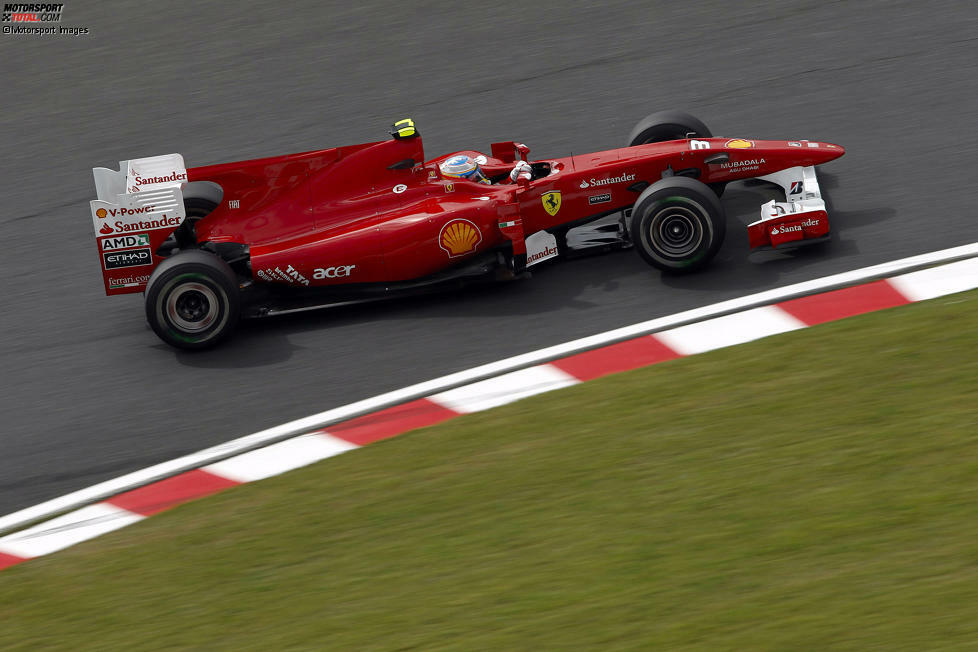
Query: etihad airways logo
(607,180)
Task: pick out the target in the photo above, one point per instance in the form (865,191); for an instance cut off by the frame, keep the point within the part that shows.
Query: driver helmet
(462,167)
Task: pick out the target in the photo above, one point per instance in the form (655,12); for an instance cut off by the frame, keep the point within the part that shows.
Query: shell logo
(459,237)
(739,143)
(101,212)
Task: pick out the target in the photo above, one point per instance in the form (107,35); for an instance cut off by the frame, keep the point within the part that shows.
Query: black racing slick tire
(667,125)
(192,300)
(678,225)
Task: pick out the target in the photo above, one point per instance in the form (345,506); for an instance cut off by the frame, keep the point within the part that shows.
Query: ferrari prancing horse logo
(551,202)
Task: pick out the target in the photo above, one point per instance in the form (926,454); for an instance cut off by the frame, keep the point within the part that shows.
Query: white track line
(278,458)
(504,389)
(58,533)
(937,281)
(729,330)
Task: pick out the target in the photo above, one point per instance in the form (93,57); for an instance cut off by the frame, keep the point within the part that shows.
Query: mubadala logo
(607,180)
(754,162)
(340,271)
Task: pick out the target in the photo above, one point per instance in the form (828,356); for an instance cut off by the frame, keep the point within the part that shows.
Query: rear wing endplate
(138,207)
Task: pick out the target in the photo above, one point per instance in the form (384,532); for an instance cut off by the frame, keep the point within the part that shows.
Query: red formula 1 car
(210,244)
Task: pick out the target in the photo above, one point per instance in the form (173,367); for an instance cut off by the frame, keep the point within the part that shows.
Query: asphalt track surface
(90,393)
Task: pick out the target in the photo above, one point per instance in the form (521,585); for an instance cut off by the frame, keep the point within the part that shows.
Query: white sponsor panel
(540,246)
(140,212)
(166,171)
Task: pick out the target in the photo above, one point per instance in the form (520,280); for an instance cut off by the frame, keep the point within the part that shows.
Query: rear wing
(138,207)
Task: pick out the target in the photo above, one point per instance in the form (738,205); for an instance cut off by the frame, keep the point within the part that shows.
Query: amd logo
(125,242)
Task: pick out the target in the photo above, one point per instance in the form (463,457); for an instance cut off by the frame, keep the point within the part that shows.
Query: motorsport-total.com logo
(32,13)
(34,18)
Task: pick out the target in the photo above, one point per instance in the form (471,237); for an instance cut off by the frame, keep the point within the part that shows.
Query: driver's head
(462,167)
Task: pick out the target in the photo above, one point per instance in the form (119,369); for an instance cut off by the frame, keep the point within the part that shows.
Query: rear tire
(678,225)
(667,125)
(192,300)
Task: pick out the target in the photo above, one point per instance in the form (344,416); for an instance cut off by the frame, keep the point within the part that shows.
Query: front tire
(678,225)
(192,300)
(667,125)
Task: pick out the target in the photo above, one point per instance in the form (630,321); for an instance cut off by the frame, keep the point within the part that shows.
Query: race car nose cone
(822,152)
(833,151)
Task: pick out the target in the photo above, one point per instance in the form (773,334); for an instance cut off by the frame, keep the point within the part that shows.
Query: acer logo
(340,271)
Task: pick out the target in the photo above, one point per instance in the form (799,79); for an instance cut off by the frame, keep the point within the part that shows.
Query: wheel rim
(676,231)
(192,307)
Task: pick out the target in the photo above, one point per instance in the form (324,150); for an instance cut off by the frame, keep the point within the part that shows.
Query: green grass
(815,490)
